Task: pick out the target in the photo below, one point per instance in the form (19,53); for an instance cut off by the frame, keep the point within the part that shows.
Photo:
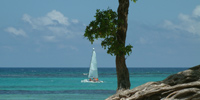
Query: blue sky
(49,33)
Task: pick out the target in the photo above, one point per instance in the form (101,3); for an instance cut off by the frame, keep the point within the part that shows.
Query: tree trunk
(123,81)
(122,71)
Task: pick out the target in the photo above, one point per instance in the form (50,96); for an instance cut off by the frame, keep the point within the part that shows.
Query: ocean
(65,83)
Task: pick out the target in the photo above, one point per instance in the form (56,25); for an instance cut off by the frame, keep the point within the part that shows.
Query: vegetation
(112,27)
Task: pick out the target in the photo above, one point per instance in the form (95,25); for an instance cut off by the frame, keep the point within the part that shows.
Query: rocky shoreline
(184,85)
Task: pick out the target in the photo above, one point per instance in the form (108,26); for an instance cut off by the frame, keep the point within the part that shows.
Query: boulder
(184,85)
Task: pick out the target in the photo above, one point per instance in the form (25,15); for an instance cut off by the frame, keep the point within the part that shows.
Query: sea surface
(65,83)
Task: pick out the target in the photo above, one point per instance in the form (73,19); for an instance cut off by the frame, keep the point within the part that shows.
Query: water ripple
(58,92)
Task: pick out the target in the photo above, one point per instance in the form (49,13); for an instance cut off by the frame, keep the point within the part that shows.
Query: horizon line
(98,67)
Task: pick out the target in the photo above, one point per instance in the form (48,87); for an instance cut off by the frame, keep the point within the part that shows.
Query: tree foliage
(134,0)
(105,26)
(112,27)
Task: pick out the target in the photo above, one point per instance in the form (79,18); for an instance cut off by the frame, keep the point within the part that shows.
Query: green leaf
(105,26)
(134,0)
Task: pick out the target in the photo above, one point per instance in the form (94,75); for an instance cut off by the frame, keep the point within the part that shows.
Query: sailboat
(93,71)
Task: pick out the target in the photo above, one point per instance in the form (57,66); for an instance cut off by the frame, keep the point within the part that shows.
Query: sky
(49,33)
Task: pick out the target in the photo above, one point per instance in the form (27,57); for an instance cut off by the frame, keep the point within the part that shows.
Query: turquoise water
(65,83)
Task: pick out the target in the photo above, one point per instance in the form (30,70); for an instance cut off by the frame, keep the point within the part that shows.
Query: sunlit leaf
(134,0)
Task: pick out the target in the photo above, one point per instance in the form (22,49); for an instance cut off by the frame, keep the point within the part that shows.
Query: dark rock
(190,75)
(184,85)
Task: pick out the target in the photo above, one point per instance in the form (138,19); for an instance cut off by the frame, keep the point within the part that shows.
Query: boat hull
(88,81)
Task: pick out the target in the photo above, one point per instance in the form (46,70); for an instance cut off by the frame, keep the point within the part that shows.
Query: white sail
(93,72)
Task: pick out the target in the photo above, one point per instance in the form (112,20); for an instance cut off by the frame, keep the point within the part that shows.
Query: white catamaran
(93,72)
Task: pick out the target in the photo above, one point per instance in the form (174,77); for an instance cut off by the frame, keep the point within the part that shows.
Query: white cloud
(57,16)
(63,32)
(27,18)
(59,30)
(196,12)
(75,21)
(16,31)
(52,18)
(188,23)
(37,23)
(44,21)
(55,24)
(50,38)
